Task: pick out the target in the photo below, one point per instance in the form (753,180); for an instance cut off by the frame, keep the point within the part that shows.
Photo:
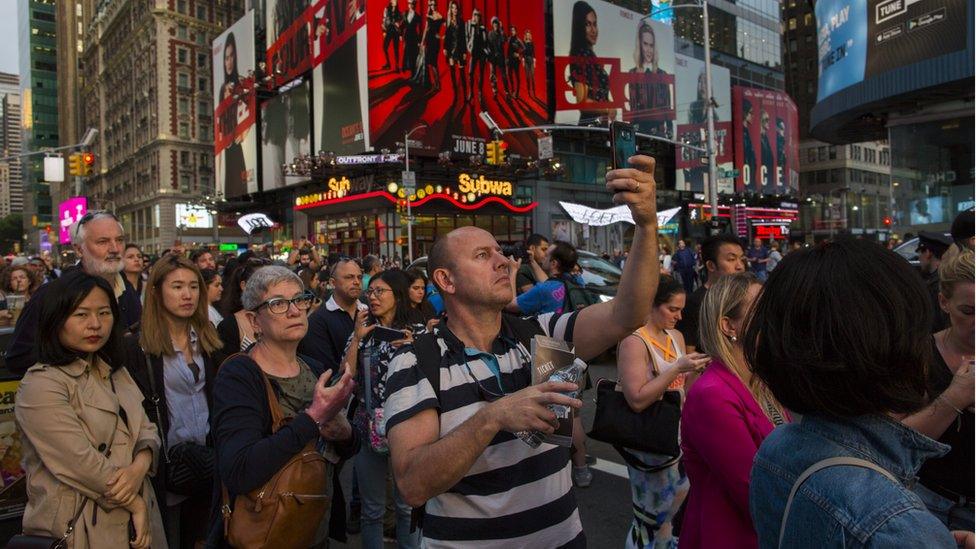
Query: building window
(184,106)
(792,23)
(811,155)
(181,55)
(183,81)
(184,130)
(808,20)
(201,12)
(821,153)
(201,84)
(181,32)
(833,152)
(181,6)
(185,159)
(793,46)
(201,60)
(185,182)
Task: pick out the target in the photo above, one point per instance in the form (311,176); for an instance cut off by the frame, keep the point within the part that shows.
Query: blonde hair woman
(947,480)
(171,360)
(727,415)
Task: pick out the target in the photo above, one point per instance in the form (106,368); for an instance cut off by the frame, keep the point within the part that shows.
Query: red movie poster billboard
(288,32)
(612,64)
(235,109)
(441,62)
(766,141)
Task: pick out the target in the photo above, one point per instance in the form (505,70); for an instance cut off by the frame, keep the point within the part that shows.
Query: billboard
(287,27)
(611,63)
(193,216)
(860,39)
(692,127)
(285,133)
(70,212)
(766,141)
(339,79)
(449,60)
(235,111)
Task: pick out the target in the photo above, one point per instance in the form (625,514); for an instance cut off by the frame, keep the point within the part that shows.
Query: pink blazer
(722,427)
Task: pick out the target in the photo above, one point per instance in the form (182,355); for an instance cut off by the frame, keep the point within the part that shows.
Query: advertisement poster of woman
(235,140)
(613,64)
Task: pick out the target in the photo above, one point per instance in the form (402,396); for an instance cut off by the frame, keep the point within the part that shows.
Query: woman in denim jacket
(840,336)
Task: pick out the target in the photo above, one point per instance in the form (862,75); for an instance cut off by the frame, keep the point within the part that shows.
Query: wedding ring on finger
(636,186)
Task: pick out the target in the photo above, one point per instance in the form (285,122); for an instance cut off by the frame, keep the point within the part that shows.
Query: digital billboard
(440,62)
(287,27)
(611,63)
(860,39)
(339,79)
(285,133)
(692,128)
(235,109)
(70,212)
(766,139)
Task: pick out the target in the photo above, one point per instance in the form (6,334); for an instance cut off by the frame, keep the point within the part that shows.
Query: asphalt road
(605,506)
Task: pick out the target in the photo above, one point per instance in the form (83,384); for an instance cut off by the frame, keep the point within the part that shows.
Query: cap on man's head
(937,243)
(19,260)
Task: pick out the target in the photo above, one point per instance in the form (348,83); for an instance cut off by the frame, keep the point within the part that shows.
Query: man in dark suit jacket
(766,151)
(748,152)
(99,241)
(412,23)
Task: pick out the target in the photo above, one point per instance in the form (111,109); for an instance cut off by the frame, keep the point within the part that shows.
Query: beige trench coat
(67,415)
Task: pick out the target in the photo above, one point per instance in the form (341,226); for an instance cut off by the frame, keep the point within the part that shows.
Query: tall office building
(70,19)
(147,88)
(844,188)
(11,192)
(39,108)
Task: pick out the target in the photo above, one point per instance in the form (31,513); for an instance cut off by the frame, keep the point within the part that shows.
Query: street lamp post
(709,108)
(408,190)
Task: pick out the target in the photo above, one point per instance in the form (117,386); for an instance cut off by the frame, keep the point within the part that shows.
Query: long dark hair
(578,44)
(62,299)
(233,77)
(425,307)
(404,314)
(230,301)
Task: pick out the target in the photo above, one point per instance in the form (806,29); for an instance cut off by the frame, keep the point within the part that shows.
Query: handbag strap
(819,466)
(634,462)
(155,402)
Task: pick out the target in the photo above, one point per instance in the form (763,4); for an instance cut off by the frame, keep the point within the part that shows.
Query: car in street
(909,250)
(600,277)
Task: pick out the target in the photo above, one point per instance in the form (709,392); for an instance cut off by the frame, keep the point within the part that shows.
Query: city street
(605,506)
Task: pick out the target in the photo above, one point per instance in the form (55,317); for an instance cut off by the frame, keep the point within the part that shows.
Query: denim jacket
(844,506)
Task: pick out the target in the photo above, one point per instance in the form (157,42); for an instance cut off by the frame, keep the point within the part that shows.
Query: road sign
(409,181)
(545,147)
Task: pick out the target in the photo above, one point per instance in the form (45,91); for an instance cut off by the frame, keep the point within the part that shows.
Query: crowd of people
(213,400)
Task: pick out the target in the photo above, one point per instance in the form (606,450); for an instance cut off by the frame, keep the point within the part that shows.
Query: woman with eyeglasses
(88,445)
(235,330)
(249,451)
(215,289)
(171,360)
(390,323)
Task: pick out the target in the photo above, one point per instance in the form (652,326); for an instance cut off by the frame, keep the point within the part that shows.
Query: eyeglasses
(280,305)
(92,214)
(378,292)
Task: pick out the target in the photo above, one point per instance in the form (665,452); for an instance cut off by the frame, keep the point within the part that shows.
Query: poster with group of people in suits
(766,141)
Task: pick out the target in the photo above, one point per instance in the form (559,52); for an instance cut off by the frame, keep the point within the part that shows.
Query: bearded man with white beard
(99,240)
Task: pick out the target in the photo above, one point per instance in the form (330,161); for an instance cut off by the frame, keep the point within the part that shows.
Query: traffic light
(75,164)
(87,163)
(496,152)
(887,221)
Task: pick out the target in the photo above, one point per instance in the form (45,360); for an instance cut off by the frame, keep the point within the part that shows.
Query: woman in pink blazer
(727,415)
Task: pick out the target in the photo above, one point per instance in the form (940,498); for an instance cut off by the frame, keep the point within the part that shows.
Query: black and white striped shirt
(514,495)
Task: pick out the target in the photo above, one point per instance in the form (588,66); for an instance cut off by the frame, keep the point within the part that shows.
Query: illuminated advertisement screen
(69,212)
(438,63)
(287,28)
(610,63)
(235,109)
(766,138)
(860,39)
(285,133)
(692,127)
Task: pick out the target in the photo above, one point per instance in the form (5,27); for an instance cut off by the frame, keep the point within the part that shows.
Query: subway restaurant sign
(469,189)
(468,184)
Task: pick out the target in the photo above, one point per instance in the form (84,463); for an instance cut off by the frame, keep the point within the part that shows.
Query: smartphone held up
(623,143)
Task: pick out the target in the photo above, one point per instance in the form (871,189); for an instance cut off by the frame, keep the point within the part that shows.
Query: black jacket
(328,333)
(135,363)
(248,453)
(22,350)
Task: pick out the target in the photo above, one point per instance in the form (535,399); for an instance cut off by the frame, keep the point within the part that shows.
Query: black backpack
(430,360)
(577,297)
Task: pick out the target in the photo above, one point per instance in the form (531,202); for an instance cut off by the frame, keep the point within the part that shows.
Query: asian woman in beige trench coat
(86,438)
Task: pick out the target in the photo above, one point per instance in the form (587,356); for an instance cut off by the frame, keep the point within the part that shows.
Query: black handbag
(653,430)
(26,541)
(188,464)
